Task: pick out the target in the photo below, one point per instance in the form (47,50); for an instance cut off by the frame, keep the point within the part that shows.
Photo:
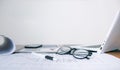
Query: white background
(57,21)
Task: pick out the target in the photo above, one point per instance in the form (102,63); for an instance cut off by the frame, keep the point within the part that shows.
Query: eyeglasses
(77,53)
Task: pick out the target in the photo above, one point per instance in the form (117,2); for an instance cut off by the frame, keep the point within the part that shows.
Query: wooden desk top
(116,54)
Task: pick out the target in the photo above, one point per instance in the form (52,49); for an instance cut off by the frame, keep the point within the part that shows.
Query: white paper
(43,49)
(26,61)
(7,46)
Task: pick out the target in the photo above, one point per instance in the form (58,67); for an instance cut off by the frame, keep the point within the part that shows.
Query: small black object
(49,57)
(33,46)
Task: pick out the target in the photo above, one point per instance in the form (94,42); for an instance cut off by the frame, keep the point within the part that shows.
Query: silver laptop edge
(112,41)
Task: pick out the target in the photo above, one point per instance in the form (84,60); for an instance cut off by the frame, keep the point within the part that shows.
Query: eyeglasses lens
(80,54)
(63,50)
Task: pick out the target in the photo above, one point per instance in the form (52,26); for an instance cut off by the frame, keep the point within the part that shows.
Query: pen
(44,56)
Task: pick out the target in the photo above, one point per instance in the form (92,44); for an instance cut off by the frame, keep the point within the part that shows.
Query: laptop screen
(112,41)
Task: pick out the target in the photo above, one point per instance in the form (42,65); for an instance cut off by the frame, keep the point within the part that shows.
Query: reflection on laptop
(112,41)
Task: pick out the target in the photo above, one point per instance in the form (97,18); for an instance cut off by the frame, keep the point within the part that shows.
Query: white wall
(57,21)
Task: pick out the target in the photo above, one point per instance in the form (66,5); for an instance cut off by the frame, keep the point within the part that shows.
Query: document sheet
(26,61)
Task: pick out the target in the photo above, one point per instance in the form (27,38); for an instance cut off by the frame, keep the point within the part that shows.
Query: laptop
(112,41)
